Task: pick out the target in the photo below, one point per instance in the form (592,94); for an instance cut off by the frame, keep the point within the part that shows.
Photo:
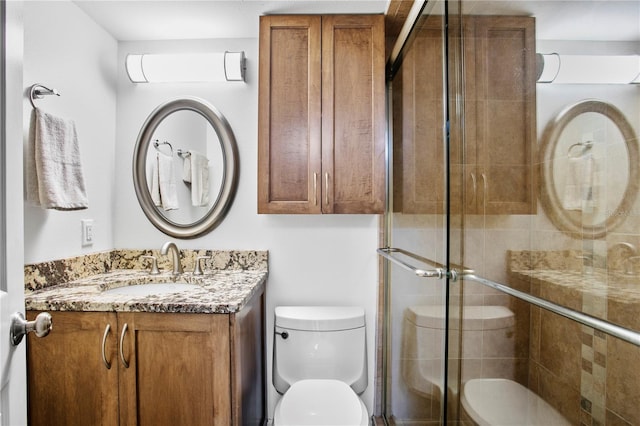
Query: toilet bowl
(423,342)
(502,402)
(320,366)
(320,402)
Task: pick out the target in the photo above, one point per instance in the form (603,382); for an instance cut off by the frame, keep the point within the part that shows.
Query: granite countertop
(565,269)
(598,283)
(215,292)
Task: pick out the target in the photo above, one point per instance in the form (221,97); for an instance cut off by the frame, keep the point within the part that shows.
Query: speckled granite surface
(565,269)
(79,284)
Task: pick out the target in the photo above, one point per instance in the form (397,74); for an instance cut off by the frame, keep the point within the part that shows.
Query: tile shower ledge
(615,287)
(215,292)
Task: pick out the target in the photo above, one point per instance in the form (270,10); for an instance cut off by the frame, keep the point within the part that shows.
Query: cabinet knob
(20,327)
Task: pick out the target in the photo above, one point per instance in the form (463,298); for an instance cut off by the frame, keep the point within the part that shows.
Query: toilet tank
(319,342)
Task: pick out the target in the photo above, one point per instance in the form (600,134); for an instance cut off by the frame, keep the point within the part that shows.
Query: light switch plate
(87,232)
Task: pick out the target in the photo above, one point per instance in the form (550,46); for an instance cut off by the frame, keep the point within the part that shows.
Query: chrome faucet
(171,246)
(622,255)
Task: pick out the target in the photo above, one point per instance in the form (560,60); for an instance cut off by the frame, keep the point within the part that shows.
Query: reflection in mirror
(185,167)
(596,161)
(194,151)
(588,178)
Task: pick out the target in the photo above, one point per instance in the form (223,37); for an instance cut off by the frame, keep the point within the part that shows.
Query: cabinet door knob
(124,331)
(20,327)
(107,329)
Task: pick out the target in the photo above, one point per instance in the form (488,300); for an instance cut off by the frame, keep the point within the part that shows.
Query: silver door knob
(19,326)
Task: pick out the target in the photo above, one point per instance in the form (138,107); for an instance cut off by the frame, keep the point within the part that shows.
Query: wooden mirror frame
(230,167)
(549,198)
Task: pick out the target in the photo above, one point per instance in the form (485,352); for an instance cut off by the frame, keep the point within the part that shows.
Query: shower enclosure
(512,236)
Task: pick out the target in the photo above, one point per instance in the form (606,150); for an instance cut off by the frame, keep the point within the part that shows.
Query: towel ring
(586,146)
(38,91)
(157,143)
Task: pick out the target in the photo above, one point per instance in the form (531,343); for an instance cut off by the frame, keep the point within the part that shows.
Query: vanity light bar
(588,69)
(185,67)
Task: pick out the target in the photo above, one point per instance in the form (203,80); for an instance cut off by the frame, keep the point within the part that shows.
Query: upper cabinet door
(321,135)
(504,85)
(289,115)
(353,114)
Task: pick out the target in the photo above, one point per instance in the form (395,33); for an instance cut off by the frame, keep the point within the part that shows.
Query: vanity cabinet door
(321,116)
(68,380)
(178,369)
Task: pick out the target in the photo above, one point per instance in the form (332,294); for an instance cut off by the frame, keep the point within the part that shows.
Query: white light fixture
(185,67)
(588,69)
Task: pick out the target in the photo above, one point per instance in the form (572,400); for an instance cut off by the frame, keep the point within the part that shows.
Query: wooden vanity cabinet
(321,115)
(67,381)
(182,369)
(492,168)
(178,369)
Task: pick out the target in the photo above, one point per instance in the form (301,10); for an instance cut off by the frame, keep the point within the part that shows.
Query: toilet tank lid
(474,317)
(319,318)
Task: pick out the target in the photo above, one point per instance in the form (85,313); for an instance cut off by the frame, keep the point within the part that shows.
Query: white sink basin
(150,289)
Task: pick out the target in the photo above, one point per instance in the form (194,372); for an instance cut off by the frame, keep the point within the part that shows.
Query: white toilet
(320,366)
(490,402)
(486,402)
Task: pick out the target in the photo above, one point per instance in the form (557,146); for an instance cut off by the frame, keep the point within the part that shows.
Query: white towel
(580,192)
(162,182)
(54,171)
(186,168)
(199,165)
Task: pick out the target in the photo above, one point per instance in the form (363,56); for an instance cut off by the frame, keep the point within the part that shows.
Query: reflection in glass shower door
(548,315)
(419,226)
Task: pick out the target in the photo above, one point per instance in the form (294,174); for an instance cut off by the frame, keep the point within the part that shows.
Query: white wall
(313,260)
(66,50)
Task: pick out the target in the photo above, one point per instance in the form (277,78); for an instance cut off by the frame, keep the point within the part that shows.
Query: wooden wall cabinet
(321,116)
(183,369)
(492,168)
(418,103)
(500,114)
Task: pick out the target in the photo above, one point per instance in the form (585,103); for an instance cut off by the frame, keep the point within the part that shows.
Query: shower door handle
(439,272)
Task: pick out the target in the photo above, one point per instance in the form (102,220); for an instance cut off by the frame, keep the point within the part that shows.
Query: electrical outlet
(87,232)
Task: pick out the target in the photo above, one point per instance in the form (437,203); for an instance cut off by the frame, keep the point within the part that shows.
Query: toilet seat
(320,402)
(492,402)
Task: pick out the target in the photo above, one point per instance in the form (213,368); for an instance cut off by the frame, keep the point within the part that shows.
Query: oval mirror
(185,167)
(588,169)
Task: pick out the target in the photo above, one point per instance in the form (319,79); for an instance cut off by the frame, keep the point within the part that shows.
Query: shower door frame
(421,9)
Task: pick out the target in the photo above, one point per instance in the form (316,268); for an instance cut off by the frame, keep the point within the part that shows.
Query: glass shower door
(419,229)
(521,192)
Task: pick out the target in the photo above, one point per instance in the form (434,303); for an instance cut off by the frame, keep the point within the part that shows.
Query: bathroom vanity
(119,356)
